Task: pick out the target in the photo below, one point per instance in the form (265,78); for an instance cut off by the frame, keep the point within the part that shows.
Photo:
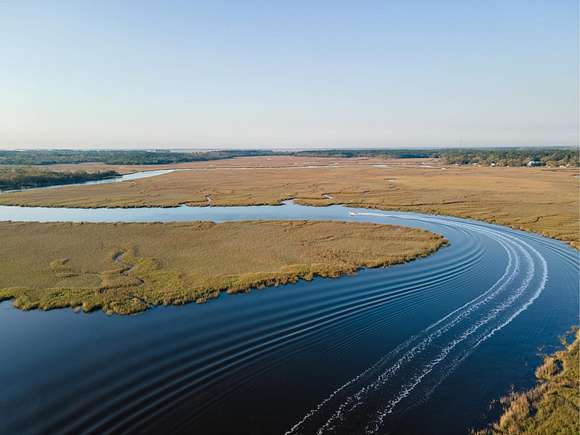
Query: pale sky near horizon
(276,73)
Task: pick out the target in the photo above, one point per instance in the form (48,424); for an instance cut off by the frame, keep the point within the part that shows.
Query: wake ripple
(409,374)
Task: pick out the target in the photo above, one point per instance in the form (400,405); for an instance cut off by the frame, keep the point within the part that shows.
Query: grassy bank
(552,406)
(29,177)
(127,268)
(533,199)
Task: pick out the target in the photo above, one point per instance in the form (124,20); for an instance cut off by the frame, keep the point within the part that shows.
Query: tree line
(27,177)
(121,157)
(460,156)
(465,156)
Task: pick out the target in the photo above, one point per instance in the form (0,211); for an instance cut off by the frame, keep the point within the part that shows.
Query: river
(417,348)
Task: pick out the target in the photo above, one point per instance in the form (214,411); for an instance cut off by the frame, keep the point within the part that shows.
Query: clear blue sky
(281,73)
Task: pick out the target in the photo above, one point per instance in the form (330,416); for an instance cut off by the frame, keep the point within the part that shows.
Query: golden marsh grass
(541,200)
(551,407)
(127,268)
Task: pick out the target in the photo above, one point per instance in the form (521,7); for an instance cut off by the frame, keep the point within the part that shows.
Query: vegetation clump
(13,178)
(466,156)
(553,405)
(554,157)
(128,268)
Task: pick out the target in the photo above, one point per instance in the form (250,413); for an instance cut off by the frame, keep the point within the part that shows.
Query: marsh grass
(553,405)
(127,268)
(541,200)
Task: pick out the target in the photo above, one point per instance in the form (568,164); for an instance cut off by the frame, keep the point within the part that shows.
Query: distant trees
(123,157)
(487,157)
(27,177)
(465,156)
(385,153)
(513,157)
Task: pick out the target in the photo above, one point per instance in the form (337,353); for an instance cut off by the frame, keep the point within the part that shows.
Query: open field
(541,200)
(551,407)
(127,268)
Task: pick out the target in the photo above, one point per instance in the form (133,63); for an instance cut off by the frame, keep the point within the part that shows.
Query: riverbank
(15,178)
(552,405)
(128,268)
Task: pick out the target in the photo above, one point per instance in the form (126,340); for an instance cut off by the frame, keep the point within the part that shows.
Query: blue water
(417,348)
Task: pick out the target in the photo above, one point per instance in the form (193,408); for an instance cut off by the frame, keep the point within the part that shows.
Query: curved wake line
(504,307)
(473,329)
(409,355)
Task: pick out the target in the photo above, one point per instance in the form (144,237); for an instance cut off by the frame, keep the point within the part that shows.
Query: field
(127,268)
(552,405)
(541,200)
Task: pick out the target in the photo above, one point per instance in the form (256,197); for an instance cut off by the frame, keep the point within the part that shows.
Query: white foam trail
(467,308)
(517,251)
(409,387)
(390,372)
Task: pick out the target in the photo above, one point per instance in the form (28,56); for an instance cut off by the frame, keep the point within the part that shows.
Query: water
(416,348)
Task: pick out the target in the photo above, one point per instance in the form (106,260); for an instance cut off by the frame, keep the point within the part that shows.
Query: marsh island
(127,268)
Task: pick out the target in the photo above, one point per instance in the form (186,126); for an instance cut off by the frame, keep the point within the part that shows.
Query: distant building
(532,163)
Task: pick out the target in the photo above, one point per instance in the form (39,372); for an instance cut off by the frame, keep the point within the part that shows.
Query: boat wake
(408,375)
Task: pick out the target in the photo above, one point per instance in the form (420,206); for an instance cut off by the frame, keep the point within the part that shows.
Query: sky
(284,74)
